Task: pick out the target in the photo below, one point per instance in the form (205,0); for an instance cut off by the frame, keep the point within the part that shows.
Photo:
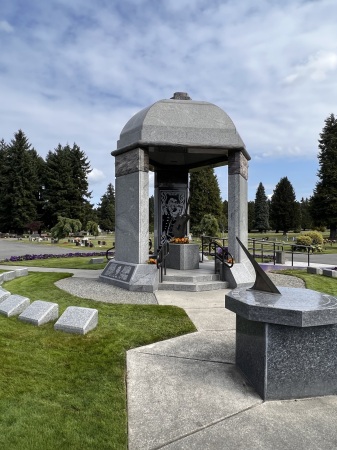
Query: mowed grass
(66,391)
(315,282)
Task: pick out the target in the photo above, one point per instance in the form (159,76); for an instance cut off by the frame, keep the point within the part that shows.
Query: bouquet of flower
(183,240)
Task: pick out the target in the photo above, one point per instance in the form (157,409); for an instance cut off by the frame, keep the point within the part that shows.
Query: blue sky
(77,70)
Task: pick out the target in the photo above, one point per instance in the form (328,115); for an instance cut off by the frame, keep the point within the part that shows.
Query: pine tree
(106,209)
(306,219)
(323,204)
(224,226)
(261,221)
(283,208)
(204,198)
(251,215)
(19,184)
(66,185)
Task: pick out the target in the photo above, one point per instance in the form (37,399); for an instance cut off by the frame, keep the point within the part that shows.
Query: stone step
(192,287)
(192,278)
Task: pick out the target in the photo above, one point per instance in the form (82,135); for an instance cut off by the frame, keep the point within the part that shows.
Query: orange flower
(183,240)
(152,261)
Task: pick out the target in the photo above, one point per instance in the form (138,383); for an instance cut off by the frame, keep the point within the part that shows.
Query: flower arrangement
(183,240)
(152,261)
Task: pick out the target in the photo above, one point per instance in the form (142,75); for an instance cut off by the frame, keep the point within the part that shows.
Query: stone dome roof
(198,127)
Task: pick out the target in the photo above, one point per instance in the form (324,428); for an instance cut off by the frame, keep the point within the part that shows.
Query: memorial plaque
(119,271)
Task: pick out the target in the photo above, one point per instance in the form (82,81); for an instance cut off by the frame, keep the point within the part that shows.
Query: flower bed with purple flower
(48,256)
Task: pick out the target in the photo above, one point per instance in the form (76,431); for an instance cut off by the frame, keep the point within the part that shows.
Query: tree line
(282,212)
(37,194)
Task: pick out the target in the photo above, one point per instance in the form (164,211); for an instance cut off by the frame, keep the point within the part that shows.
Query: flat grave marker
(77,320)
(14,305)
(40,312)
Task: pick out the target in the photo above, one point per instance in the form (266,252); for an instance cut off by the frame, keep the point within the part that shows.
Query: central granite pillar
(171,201)
(129,269)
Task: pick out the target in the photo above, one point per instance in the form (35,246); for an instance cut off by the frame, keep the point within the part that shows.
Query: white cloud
(85,68)
(96,176)
(316,68)
(6,27)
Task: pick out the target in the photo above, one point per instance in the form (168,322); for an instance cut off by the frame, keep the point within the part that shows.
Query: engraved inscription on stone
(121,272)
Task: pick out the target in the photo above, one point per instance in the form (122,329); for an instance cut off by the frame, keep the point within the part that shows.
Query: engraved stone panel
(119,271)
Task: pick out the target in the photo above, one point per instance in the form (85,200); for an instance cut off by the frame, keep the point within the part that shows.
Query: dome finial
(181,96)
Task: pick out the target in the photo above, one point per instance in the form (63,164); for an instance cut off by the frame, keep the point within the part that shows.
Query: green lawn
(76,262)
(315,282)
(65,391)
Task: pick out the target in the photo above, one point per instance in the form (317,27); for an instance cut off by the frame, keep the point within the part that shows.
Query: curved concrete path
(186,393)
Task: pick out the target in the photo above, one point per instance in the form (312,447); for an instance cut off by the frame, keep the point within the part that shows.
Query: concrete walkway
(186,393)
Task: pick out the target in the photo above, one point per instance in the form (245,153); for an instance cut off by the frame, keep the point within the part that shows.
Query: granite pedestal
(183,257)
(286,344)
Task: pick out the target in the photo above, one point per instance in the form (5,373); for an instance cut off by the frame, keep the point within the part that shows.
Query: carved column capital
(237,164)
(135,160)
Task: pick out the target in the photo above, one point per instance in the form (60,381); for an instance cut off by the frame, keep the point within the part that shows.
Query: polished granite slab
(293,307)
(286,344)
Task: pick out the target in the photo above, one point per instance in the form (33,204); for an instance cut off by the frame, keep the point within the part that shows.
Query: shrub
(209,225)
(316,236)
(303,240)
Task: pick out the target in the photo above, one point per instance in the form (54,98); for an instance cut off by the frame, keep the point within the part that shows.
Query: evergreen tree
(209,225)
(323,205)
(66,185)
(306,220)
(106,209)
(225,215)
(283,208)
(204,198)
(19,184)
(251,215)
(3,177)
(261,222)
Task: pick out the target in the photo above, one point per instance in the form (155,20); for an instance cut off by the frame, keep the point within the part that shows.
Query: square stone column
(237,204)
(132,206)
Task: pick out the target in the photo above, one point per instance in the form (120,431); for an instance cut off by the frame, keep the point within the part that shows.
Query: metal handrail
(162,254)
(107,253)
(261,245)
(223,255)
(205,241)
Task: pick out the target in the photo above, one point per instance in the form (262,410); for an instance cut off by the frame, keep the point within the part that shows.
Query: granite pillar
(237,204)
(129,269)
(132,207)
